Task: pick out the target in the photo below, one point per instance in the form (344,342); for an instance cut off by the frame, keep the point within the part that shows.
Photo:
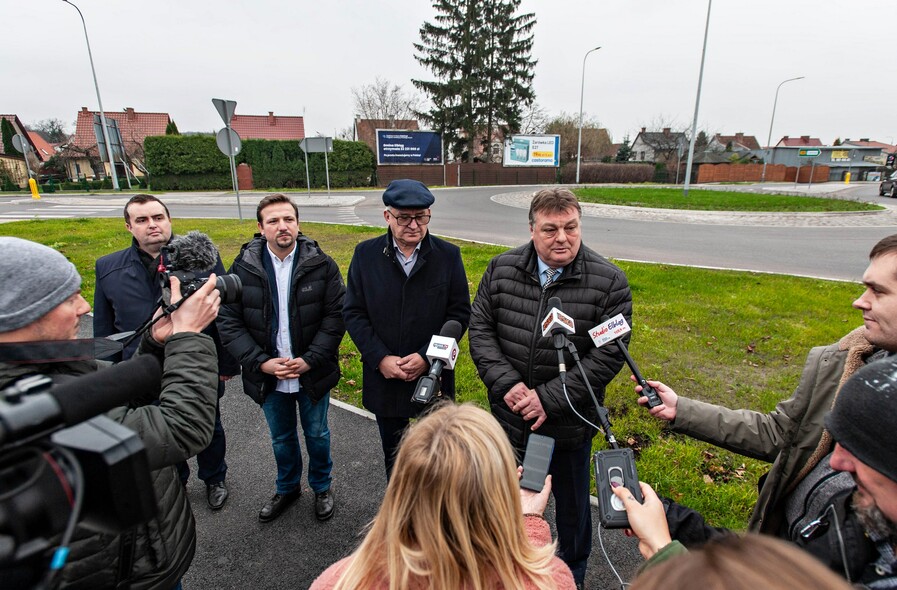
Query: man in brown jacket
(793,437)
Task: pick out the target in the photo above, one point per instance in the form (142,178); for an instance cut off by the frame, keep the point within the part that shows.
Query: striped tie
(549,276)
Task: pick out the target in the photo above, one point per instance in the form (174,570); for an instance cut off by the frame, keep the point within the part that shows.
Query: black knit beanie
(864,419)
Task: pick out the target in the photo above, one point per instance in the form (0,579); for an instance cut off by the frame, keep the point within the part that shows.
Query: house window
(641,156)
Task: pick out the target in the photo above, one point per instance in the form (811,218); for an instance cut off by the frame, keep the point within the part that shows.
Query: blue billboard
(408,147)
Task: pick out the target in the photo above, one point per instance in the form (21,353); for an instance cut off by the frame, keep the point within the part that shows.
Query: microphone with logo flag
(442,352)
(611,330)
(557,324)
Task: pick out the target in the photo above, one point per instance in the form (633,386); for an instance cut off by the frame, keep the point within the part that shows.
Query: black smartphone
(536,462)
(615,466)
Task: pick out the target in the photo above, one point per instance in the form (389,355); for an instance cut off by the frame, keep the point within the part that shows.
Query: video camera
(63,464)
(192,253)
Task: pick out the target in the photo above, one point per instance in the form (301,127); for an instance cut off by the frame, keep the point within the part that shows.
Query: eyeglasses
(404,220)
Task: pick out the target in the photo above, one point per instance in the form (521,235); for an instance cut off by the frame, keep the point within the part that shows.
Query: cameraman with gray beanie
(41,302)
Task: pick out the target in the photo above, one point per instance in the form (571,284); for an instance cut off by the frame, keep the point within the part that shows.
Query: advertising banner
(408,147)
(532,150)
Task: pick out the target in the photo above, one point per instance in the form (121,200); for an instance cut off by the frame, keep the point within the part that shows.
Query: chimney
(643,129)
(271,121)
(131,115)
(805,138)
(739,137)
(666,131)
(864,139)
(84,109)
(392,122)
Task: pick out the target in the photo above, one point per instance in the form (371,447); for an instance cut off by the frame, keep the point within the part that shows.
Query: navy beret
(408,194)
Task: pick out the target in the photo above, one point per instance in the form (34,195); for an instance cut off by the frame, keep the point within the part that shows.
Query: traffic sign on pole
(229,142)
(809,152)
(225,108)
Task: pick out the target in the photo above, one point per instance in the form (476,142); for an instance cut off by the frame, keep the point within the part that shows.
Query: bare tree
(595,140)
(384,100)
(53,129)
(533,119)
(664,139)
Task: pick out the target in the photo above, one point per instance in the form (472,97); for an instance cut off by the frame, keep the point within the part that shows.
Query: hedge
(600,173)
(195,163)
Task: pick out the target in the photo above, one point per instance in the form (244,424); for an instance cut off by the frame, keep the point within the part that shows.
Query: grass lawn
(713,200)
(733,338)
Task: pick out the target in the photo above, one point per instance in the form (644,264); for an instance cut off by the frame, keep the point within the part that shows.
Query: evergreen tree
(625,151)
(479,53)
(8,131)
(171,128)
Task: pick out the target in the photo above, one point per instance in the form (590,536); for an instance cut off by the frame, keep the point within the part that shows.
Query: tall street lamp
(100,101)
(769,151)
(582,89)
(694,125)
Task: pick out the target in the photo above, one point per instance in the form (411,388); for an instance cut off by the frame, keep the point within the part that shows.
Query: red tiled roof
(802,141)
(748,141)
(134,127)
(269,126)
(17,126)
(42,147)
(886,147)
(366,129)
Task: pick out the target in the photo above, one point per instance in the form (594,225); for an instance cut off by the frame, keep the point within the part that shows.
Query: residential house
(43,149)
(82,158)
(13,164)
(739,142)
(269,126)
(802,141)
(658,146)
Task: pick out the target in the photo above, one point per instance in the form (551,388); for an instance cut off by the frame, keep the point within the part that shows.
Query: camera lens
(230,287)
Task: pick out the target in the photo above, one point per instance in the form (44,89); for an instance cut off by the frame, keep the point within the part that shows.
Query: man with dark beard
(863,424)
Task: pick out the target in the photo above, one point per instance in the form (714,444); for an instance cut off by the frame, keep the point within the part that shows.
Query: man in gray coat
(41,302)
(793,437)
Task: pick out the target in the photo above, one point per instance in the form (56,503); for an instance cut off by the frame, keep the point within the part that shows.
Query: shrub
(606,173)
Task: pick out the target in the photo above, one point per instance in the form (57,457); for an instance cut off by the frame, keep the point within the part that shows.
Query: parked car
(888,186)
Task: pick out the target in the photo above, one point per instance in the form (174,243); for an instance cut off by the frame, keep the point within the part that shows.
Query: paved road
(834,247)
(235,551)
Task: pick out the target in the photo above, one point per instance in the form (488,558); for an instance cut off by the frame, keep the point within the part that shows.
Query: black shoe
(216,495)
(324,505)
(277,504)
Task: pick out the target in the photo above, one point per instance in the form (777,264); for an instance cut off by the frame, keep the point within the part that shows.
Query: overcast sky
(297,58)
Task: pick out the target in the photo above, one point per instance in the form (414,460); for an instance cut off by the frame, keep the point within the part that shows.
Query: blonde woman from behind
(454,516)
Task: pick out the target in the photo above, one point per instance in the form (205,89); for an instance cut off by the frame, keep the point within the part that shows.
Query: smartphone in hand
(536,461)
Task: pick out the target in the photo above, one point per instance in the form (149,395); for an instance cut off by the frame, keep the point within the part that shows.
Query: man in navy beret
(402,287)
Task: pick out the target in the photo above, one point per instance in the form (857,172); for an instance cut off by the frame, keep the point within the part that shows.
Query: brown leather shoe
(277,504)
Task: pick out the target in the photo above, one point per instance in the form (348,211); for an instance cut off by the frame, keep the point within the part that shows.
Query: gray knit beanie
(864,419)
(34,279)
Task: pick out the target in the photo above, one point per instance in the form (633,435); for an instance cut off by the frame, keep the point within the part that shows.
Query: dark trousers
(212,466)
(570,486)
(391,431)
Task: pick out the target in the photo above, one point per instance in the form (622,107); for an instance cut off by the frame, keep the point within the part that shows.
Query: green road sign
(809,152)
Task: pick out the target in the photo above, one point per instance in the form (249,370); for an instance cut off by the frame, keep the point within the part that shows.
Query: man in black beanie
(863,424)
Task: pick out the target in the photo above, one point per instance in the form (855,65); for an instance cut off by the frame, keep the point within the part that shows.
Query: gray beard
(875,522)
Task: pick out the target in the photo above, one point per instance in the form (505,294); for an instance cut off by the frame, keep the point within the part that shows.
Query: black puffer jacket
(507,346)
(316,322)
(172,430)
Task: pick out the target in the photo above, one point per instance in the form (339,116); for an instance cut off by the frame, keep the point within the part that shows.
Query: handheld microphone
(611,330)
(558,325)
(442,352)
(26,409)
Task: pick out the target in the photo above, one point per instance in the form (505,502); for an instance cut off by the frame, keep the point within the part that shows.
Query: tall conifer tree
(479,53)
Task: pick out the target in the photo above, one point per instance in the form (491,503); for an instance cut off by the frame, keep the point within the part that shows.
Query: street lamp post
(99,101)
(694,125)
(582,90)
(769,151)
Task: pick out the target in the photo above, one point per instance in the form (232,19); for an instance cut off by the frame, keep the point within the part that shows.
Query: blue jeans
(280,412)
